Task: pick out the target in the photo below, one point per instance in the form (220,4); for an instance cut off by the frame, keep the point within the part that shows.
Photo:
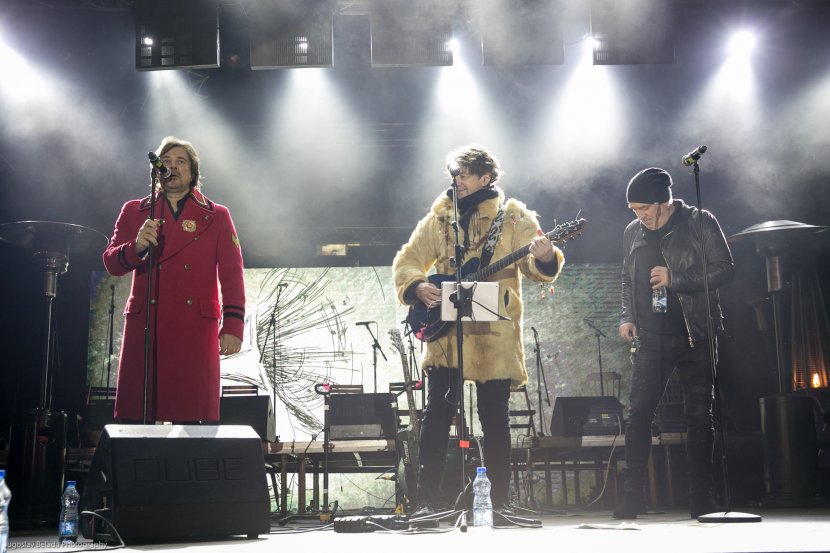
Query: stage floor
(781,529)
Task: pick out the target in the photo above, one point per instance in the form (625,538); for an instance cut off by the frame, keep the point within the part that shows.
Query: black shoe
(633,504)
(505,510)
(703,504)
(423,510)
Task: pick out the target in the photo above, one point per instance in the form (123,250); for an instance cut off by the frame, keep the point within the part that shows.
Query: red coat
(197,253)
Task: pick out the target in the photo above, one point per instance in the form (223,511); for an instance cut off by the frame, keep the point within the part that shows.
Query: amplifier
(587,416)
(170,482)
(361,416)
(256,411)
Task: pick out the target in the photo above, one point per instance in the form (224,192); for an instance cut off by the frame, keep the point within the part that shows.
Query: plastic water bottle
(5,499)
(70,518)
(482,504)
(659,300)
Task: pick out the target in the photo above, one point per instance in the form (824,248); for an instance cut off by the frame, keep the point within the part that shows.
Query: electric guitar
(426,322)
(407,439)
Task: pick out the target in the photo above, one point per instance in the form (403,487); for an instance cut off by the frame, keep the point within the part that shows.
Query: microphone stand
(540,379)
(375,348)
(460,296)
(272,329)
(727,515)
(111,318)
(150,261)
(598,333)
(413,362)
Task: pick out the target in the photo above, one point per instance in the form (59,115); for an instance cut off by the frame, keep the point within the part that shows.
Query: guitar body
(406,444)
(406,440)
(426,322)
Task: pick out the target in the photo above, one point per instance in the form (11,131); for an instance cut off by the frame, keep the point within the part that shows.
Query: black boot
(632,504)
(634,494)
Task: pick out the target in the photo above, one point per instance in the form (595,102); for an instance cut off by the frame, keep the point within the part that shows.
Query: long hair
(170,142)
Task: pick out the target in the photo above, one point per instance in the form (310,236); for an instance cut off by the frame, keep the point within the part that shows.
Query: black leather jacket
(681,249)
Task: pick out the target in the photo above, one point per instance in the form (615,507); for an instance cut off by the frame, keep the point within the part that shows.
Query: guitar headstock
(397,341)
(567,231)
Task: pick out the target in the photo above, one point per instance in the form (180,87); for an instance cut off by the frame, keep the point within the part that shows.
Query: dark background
(363,163)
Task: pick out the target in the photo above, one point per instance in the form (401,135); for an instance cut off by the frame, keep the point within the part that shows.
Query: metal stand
(460,296)
(786,418)
(38,445)
(273,330)
(727,515)
(375,349)
(598,333)
(540,379)
(151,254)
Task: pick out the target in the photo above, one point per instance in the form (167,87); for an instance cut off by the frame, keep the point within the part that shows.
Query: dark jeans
(493,399)
(658,355)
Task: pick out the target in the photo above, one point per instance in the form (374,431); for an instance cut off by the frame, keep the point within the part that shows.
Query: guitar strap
(492,237)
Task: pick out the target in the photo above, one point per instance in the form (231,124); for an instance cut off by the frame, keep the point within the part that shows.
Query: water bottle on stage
(482,504)
(5,499)
(70,518)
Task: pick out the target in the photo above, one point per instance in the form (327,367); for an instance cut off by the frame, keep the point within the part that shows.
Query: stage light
(291,33)
(411,34)
(183,34)
(741,44)
(520,32)
(631,32)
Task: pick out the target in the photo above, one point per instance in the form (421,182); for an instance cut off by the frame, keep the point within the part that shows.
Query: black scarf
(468,205)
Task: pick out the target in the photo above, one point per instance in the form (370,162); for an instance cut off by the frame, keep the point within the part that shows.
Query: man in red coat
(195,250)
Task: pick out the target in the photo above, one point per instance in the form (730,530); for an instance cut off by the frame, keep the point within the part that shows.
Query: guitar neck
(397,341)
(559,234)
(497,266)
(413,412)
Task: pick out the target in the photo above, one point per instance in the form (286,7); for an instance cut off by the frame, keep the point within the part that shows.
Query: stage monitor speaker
(586,416)
(361,416)
(176,482)
(250,410)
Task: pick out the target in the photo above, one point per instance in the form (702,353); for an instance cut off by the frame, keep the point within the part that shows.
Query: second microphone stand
(598,333)
(460,298)
(727,515)
(375,349)
(151,254)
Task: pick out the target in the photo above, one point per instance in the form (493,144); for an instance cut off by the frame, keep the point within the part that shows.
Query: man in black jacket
(664,317)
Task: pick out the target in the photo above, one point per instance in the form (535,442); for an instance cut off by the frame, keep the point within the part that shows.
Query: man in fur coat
(493,354)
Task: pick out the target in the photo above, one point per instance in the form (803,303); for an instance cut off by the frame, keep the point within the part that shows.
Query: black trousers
(657,356)
(493,399)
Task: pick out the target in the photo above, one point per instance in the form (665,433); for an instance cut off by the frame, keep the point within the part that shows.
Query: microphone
(454,169)
(534,330)
(692,157)
(364,323)
(163,170)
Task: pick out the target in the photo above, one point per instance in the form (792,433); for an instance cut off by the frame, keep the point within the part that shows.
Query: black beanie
(649,186)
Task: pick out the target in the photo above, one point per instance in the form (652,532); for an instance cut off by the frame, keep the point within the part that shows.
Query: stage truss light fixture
(291,33)
(628,32)
(176,34)
(741,44)
(520,32)
(405,33)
